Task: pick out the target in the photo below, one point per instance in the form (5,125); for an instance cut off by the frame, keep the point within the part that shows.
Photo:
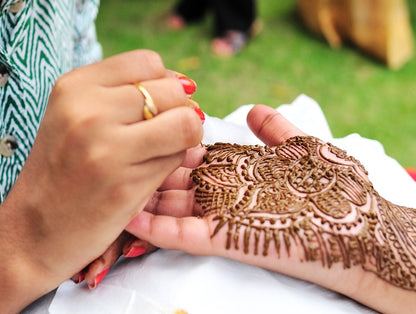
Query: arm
(303,208)
(94,165)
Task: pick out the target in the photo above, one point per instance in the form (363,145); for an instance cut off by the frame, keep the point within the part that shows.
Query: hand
(303,208)
(125,245)
(94,165)
(173,195)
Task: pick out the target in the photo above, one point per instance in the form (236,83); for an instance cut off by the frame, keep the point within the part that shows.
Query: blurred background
(356,92)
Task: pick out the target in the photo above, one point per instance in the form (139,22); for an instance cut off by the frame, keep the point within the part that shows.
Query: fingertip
(188,84)
(200,114)
(194,157)
(134,251)
(255,114)
(140,223)
(152,58)
(78,277)
(92,284)
(270,126)
(191,126)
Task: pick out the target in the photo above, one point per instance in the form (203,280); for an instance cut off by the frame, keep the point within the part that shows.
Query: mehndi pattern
(308,197)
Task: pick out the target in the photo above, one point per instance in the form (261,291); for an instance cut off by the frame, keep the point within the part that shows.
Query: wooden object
(379,27)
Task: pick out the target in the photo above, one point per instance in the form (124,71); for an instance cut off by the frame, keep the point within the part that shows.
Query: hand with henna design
(297,206)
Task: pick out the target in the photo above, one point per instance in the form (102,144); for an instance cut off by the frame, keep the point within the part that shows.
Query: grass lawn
(356,93)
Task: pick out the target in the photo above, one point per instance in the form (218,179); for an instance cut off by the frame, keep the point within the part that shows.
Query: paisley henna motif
(311,195)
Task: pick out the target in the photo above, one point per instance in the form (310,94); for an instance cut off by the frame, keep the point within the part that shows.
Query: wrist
(382,296)
(21,284)
(23,277)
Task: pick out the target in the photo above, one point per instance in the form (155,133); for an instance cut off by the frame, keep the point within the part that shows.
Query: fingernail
(81,277)
(135,251)
(200,114)
(189,86)
(192,103)
(99,278)
(78,278)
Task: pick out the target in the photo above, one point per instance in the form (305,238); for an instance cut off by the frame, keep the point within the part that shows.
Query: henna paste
(311,195)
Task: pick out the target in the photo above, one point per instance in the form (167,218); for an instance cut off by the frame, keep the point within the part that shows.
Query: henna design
(311,195)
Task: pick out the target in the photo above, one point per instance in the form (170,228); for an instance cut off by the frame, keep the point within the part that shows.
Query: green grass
(356,93)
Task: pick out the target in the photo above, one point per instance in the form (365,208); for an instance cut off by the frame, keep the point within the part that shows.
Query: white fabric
(167,281)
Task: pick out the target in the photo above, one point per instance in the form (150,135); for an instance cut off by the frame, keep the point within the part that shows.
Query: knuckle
(269,126)
(153,60)
(63,84)
(70,81)
(180,231)
(151,55)
(270,121)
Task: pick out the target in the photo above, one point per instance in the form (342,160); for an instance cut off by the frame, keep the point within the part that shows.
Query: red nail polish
(189,86)
(99,278)
(135,251)
(200,114)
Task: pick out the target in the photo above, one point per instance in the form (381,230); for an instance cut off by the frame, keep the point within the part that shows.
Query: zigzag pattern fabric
(39,43)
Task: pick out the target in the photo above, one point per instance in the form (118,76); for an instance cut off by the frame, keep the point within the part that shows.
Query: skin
(94,165)
(126,244)
(194,234)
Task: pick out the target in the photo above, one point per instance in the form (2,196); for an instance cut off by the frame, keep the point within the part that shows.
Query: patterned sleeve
(86,47)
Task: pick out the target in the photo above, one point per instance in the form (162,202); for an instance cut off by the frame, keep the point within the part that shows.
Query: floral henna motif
(311,195)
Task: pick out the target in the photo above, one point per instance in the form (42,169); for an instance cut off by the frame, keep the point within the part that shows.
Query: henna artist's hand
(301,207)
(126,244)
(94,165)
(172,196)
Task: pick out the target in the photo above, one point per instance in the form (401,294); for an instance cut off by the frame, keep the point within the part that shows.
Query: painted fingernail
(78,278)
(99,278)
(81,277)
(135,251)
(200,114)
(189,86)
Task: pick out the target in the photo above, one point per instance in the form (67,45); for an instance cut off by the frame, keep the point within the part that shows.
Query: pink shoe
(234,41)
(175,22)
(230,45)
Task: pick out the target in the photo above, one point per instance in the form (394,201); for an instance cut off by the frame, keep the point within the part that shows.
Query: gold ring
(149,109)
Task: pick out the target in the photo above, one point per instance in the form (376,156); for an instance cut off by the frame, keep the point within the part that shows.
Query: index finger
(270,126)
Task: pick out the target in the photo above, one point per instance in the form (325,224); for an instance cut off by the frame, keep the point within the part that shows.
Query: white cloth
(167,281)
